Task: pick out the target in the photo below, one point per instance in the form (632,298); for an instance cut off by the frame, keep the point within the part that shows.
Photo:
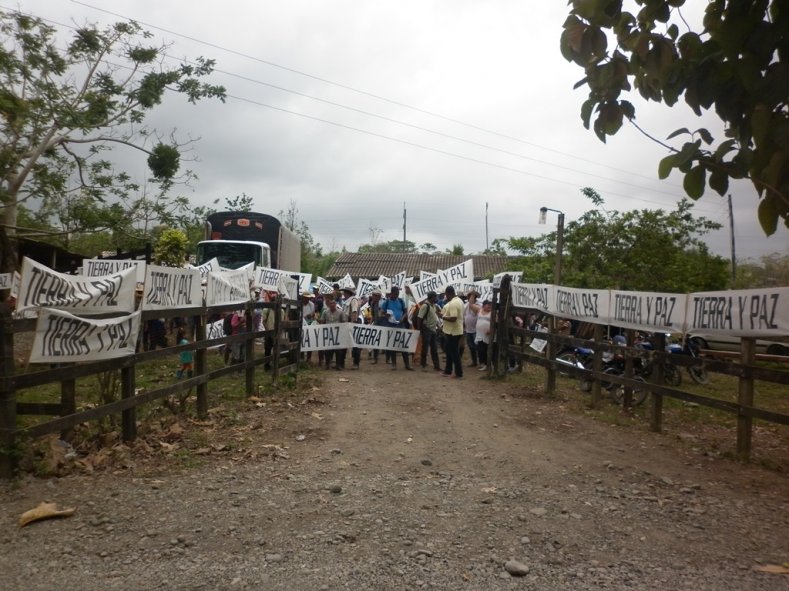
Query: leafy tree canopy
(64,107)
(736,64)
(172,248)
(635,250)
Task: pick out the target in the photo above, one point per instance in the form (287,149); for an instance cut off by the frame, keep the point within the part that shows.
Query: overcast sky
(356,110)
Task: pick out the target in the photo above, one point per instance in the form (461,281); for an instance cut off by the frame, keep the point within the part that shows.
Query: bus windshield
(231,255)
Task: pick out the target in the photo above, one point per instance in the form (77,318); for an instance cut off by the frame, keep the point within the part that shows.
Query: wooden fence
(746,371)
(65,411)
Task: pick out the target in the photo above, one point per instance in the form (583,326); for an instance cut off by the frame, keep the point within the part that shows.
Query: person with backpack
(394,313)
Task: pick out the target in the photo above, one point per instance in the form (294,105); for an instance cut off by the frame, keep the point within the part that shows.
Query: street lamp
(557,269)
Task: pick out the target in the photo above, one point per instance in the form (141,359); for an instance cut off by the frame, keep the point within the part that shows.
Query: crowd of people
(448,323)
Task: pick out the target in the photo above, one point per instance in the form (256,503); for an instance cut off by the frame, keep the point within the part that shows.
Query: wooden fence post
(201,357)
(597,364)
(249,350)
(275,350)
(128,416)
(656,418)
(551,351)
(7,394)
(745,398)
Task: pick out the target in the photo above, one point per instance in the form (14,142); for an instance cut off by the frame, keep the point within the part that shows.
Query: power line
(356,90)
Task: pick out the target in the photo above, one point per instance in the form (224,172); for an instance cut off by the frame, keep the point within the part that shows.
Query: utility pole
(733,256)
(403,226)
(487,244)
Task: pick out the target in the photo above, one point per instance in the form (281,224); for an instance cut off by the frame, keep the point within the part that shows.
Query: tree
(635,250)
(241,202)
(63,109)
(457,250)
(393,246)
(769,271)
(736,64)
(171,249)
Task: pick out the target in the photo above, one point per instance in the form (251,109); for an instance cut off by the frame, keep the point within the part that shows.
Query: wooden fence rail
(517,346)
(65,412)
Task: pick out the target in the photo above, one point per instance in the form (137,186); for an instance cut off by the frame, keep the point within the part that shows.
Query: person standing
(427,322)
(470,312)
(375,316)
(452,315)
(352,312)
(333,314)
(482,334)
(395,314)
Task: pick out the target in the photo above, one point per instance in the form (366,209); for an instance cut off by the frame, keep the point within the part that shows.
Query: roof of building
(374,264)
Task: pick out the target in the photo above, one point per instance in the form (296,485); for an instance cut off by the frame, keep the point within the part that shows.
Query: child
(186,357)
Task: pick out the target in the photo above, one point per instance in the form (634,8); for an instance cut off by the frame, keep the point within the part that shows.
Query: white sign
(288,287)
(657,312)
(100,267)
(171,287)
(324,287)
(399,280)
(531,295)
(366,287)
(319,337)
(269,279)
(208,267)
(745,313)
(227,287)
(347,281)
(370,336)
(63,337)
(460,273)
(425,275)
(305,281)
(214,330)
(587,305)
(6,280)
(43,287)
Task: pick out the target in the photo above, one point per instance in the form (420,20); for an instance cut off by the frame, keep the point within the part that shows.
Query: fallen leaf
(344,380)
(44,511)
(774,569)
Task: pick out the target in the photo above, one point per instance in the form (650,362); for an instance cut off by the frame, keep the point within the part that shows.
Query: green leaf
(665,166)
(674,134)
(768,215)
(673,32)
(705,135)
(586,111)
(695,181)
(719,181)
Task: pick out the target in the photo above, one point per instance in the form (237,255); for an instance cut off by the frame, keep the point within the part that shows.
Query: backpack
(227,325)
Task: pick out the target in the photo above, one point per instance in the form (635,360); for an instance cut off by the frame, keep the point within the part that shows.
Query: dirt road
(381,479)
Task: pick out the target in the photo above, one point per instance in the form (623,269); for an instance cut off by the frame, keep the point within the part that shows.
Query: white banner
(324,286)
(531,295)
(656,312)
(366,287)
(288,287)
(318,337)
(101,267)
(425,275)
(43,287)
(460,273)
(586,305)
(305,282)
(269,279)
(347,281)
(209,267)
(6,280)
(227,287)
(370,336)
(745,313)
(399,280)
(171,287)
(63,337)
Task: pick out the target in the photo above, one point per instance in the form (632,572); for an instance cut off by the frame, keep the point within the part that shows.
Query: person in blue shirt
(393,313)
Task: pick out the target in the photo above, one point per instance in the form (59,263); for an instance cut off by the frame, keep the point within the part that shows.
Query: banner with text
(63,337)
(43,287)
(319,337)
(515,277)
(227,287)
(661,312)
(6,280)
(171,287)
(745,313)
(459,274)
(100,267)
(370,336)
(208,267)
(531,295)
(586,305)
